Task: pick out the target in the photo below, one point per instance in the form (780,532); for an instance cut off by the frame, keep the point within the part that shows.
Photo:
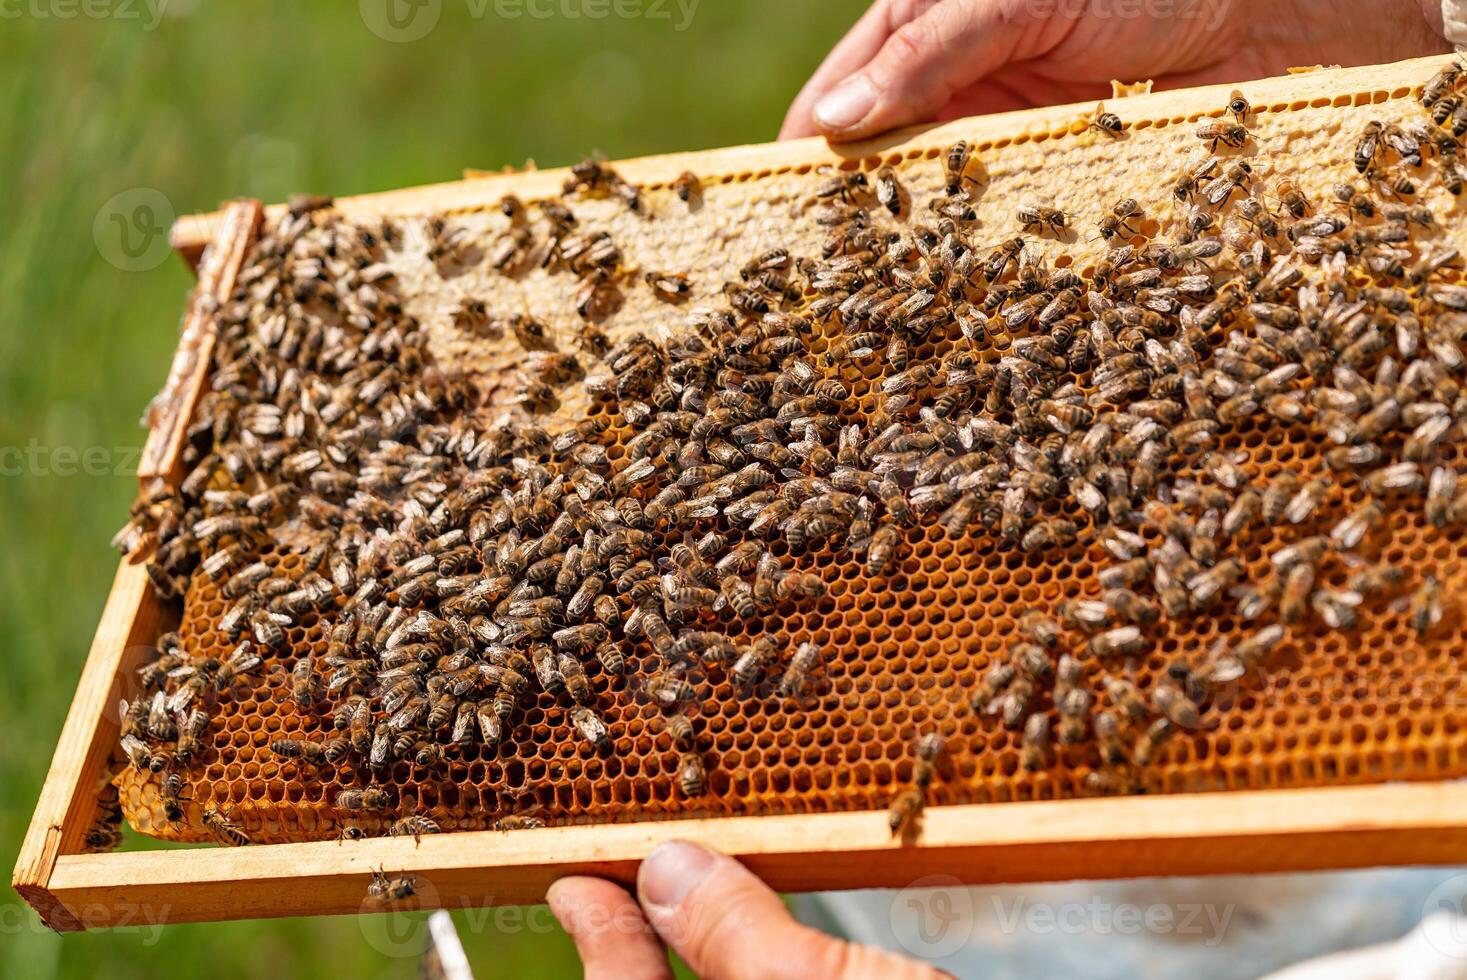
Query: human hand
(724,922)
(912,61)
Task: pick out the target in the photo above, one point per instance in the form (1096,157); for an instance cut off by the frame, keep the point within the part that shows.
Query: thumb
(726,924)
(921,64)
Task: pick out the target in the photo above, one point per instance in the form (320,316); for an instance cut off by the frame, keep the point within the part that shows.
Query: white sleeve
(1454,22)
(1435,950)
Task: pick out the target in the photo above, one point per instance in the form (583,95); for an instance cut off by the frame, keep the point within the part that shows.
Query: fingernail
(672,870)
(846,104)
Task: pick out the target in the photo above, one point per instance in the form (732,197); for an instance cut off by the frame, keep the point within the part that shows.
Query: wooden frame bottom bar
(1275,830)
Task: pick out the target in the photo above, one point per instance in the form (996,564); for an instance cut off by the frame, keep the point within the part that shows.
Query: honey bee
(1441,84)
(1453,176)
(371,798)
(905,809)
(753,661)
(1117,220)
(1228,134)
(1034,754)
(1186,184)
(1395,182)
(516,821)
(670,287)
(889,190)
(806,659)
(1108,734)
(589,726)
(1355,201)
(1002,257)
(1425,606)
(1298,586)
(955,163)
(1307,501)
(1074,709)
(1235,178)
(994,681)
(1289,195)
(1041,629)
(1376,579)
(1368,146)
(844,186)
(385,891)
(1395,478)
(1056,532)
(299,748)
(1352,529)
(225,830)
(1458,121)
(414,826)
(882,549)
(1126,698)
(680,729)
(929,750)
(303,681)
(1153,738)
(1106,122)
(171,790)
(1176,706)
(687,186)
(1238,106)
(692,778)
(1441,492)
(1250,654)
(1121,641)
(1042,217)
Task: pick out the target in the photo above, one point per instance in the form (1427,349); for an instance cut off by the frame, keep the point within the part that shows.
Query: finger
(925,61)
(609,930)
(727,925)
(855,49)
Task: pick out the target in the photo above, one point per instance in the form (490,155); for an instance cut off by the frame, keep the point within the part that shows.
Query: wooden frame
(1279,830)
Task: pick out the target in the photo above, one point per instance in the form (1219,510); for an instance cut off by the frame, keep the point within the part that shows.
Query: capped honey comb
(903,652)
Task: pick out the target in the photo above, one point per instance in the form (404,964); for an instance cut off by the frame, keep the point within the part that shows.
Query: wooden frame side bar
(131,621)
(1273,830)
(234,231)
(133,617)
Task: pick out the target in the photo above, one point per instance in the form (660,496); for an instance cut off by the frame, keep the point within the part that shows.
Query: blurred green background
(177,111)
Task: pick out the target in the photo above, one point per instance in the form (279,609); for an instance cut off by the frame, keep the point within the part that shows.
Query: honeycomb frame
(971,841)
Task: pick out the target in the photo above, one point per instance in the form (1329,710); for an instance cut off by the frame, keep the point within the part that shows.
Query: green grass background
(265,99)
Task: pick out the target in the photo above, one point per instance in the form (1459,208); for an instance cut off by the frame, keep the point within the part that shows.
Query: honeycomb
(903,652)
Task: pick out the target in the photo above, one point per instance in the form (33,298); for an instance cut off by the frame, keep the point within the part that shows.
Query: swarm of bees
(464,569)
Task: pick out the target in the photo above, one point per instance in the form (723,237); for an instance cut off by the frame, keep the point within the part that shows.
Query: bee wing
(1219,191)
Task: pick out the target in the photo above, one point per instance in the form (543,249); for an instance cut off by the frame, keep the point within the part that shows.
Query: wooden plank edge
(233,233)
(1208,833)
(484,189)
(67,801)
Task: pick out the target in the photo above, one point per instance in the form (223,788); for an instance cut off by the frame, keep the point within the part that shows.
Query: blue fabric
(1197,928)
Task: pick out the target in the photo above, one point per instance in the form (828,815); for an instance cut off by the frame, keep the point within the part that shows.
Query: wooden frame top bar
(191,232)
